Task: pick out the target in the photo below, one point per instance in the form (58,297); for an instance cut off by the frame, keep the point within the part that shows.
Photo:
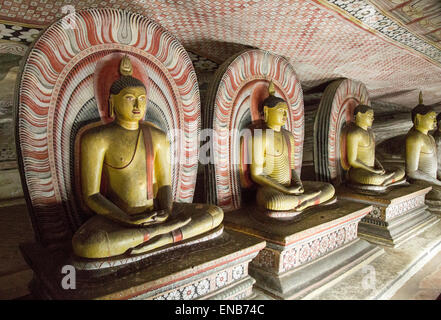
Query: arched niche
(335,111)
(55,98)
(233,105)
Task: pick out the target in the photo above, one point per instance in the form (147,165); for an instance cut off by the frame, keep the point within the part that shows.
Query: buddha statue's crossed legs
(100,237)
(315,193)
(364,177)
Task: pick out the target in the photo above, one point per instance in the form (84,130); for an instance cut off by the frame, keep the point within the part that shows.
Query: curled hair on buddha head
(421,108)
(272,100)
(362,108)
(124,82)
(126,79)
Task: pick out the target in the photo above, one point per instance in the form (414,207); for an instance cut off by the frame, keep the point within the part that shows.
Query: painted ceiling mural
(423,17)
(393,46)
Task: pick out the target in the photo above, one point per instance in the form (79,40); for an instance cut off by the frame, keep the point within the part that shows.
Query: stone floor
(424,285)
(15,228)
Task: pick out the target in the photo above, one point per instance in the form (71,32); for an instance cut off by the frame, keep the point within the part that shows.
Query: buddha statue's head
(364,116)
(275,109)
(423,117)
(128,100)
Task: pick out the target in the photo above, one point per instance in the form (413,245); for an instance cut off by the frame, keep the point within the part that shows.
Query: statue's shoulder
(155,131)
(96,132)
(352,129)
(414,135)
(287,133)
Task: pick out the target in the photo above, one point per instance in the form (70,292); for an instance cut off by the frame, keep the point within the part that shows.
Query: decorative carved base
(374,190)
(309,251)
(390,271)
(318,275)
(396,216)
(214,269)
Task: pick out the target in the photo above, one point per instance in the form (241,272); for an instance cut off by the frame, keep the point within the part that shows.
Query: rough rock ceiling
(393,46)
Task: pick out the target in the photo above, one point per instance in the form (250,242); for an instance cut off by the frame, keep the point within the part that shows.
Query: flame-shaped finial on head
(125,68)
(126,79)
(271,89)
(420,98)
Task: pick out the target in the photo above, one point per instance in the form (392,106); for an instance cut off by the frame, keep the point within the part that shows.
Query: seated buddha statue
(136,214)
(364,168)
(421,151)
(279,188)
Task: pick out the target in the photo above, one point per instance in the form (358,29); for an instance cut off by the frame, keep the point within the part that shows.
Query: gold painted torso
(125,170)
(366,147)
(276,163)
(428,157)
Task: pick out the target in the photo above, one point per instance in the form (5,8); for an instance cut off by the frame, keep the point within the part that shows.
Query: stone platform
(396,216)
(384,276)
(312,250)
(214,269)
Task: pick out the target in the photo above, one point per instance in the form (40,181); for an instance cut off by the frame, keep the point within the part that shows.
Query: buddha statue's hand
(149,218)
(379,171)
(296,189)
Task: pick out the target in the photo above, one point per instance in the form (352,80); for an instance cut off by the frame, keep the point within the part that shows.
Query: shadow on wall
(392,150)
(217,51)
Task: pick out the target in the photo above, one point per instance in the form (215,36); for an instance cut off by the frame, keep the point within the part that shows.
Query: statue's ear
(111,106)
(417,119)
(356,117)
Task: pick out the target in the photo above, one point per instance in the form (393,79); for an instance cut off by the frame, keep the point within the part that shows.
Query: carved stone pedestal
(308,252)
(215,269)
(390,271)
(396,216)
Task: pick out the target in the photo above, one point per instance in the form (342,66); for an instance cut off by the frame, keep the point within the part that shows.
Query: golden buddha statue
(131,157)
(437,137)
(272,164)
(364,168)
(421,151)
